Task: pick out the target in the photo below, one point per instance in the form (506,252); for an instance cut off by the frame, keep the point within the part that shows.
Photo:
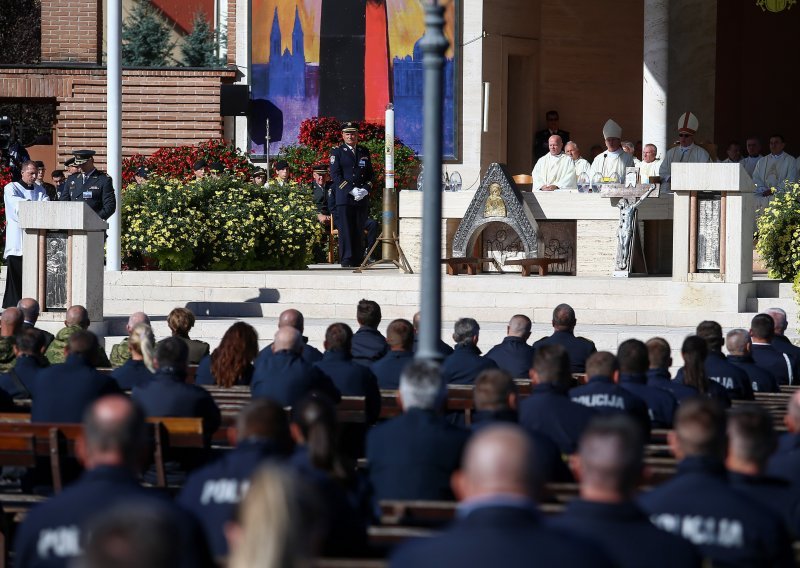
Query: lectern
(62,252)
(713,225)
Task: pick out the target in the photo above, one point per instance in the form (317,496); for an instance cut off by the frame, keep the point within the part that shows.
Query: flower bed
(778,231)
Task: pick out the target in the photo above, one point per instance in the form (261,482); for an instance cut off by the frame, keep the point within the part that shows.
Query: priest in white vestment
(686,151)
(611,164)
(753,147)
(554,170)
(773,171)
(649,165)
(582,167)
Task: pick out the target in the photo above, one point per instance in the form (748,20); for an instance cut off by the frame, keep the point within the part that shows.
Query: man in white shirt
(749,162)
(554,170)
(582,167)
(13,194)
(775,168)
(686,151)
(609,166)
(734,153)
(649,165)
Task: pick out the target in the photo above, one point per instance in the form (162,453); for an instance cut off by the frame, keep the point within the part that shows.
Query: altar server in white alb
(13,194)
(554,170)
(686,151)
(582,167)
(611,164)
(774,169)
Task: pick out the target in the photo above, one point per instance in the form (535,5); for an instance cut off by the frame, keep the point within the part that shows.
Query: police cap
(82,156)
(349,127)
(281,165)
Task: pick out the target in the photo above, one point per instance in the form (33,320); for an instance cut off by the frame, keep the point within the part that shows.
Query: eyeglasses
(684,135)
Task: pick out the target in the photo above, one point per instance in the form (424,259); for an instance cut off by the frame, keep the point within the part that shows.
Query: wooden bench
(543,264)
(471,264)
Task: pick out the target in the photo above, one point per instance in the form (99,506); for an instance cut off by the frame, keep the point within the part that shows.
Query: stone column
(654,74)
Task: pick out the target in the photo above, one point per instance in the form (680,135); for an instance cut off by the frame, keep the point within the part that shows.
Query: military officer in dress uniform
(351,173)
(89,185)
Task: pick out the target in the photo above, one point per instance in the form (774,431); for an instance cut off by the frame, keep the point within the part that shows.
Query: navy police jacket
(760,379)
(660,378)
(26,369)
(130,374)
(352,380)
(715,390)
(464,365)
(286,378)
(389,367)
(661,403)
(310,354)
(51,535)
(350,167)
(774,361)
(729,528)
(601,394)
(785,462)
(368,346)
(778,495)
(97,192)
(549,410)
(784,345)
(578,348)
(65,391)
(513,355)
(721,371)
(503,532)
(444,349)
(213,492)
(627,535)
(413,455)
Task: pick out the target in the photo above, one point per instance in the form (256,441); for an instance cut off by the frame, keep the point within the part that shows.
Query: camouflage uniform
(120,353)
(7,357)
(55,351)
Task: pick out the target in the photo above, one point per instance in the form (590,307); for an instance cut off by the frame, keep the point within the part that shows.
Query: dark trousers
(350,222)
(13,292)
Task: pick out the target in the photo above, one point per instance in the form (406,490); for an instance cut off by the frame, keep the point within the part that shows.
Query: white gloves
(358,193)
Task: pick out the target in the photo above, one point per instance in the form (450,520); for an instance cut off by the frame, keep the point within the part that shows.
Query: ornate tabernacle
(497,200)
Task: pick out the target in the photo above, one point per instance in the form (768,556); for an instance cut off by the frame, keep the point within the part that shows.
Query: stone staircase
(609,310)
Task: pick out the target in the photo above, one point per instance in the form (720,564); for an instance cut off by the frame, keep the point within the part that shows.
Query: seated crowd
(294,482)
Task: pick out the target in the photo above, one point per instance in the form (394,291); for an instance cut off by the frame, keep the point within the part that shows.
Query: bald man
(738,344)
(10,325)
(513,354)
(578,348)
(284,376)
(555,169)
(120,353)
(30,311)
(294,319)
(114,439)
(77,318)
(497,520)
(609,465)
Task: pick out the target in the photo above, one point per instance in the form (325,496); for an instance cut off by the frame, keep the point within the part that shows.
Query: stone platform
(609,310)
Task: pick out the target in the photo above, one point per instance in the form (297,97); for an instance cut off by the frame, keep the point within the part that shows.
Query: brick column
(71,31)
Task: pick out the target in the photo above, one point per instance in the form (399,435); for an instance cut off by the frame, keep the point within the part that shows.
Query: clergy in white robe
(772,171)
(648,170)
(611,164)
(554,170)
(686,151)
(582,166)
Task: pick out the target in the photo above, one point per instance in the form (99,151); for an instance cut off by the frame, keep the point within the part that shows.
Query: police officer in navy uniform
(602,393)
(400,339)
(659,355)
(90,186)
(294,319)
(114,439)
(785,461)
(780,364)
(738,344)
(369,344)
(548,409)
(633,363)
(213,492)
(609,464)
(578,348)
(498,522)
(700,505)
(351,174)
(513,354)
(350,378)
(718,368)
(466,363)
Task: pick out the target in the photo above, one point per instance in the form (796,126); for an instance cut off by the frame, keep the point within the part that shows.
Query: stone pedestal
(731,220)
(62,249)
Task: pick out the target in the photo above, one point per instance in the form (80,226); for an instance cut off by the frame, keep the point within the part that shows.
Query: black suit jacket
(97,191)
(349,170)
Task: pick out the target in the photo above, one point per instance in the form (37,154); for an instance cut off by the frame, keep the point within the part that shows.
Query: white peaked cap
(611,129)
(688,123)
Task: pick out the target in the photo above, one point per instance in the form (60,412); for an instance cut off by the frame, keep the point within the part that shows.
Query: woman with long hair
(232,362)
(694,351)
(139,368)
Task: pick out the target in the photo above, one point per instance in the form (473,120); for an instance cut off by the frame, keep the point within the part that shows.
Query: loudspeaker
(233,100)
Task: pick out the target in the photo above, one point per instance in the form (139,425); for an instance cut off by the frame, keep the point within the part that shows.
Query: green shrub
(778,232)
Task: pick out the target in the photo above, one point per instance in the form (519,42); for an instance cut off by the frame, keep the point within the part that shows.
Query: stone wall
(71,31)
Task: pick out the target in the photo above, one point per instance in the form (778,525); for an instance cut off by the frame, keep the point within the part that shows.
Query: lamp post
(433,45)
(114,129)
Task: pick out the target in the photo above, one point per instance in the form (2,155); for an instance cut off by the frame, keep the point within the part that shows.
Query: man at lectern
(24,190)
(91,186)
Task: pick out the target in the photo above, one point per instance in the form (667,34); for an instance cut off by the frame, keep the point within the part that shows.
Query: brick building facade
(161,106)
